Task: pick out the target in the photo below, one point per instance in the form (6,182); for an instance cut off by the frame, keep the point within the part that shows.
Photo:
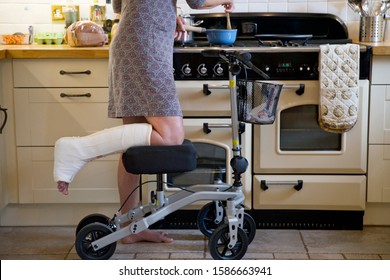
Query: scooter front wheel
(219,241)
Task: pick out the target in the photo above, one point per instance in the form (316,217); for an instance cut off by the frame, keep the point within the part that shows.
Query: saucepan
(216,36)
(188,36)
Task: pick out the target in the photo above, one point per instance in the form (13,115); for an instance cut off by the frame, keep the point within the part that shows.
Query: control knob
(186,70)
(202,70)
(218,70)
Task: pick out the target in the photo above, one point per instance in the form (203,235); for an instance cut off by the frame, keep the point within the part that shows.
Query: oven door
(295,143)
(214,151)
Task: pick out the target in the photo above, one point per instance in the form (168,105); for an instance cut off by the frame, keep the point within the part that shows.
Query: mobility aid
(223,220)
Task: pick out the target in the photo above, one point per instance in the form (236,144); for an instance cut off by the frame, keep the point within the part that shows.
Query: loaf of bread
(85,34)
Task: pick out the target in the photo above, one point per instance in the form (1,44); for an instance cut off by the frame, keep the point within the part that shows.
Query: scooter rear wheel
(206,219)
(89,234)
(92,218)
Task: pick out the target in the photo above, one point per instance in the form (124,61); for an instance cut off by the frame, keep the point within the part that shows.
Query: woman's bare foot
(63,187)
(148,235)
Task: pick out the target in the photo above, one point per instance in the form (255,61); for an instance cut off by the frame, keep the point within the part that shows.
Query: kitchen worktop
(52,51)
(2,53)
(381,48)
(65,51)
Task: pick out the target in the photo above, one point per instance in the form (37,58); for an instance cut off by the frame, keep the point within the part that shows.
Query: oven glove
(339,83)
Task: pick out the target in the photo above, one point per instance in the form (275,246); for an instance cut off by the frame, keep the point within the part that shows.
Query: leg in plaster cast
(72,153)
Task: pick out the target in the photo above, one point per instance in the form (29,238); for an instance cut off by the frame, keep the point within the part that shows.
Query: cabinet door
(42,115)
(380,70)
(318,192)
(43,73)
(196,103)
(2,173)
(380,115)
(95,183)
(378,173)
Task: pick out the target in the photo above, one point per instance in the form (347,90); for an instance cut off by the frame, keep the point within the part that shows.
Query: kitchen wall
(17,15)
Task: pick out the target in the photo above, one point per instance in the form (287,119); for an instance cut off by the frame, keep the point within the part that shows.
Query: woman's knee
(167,130)
(173,136)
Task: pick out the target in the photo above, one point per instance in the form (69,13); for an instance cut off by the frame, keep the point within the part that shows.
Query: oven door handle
(297,185)
(206,88)
(300,88)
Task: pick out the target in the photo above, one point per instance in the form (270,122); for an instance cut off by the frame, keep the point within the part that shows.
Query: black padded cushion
(160,159)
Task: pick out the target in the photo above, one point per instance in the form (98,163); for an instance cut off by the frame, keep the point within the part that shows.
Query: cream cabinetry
(55,98)
(379,132)
(2,173)
(2,144)
(309,192)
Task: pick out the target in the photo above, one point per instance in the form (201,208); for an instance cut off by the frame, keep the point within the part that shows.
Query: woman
(142,93)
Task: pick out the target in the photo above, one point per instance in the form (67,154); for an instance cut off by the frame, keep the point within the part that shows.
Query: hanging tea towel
(339,82)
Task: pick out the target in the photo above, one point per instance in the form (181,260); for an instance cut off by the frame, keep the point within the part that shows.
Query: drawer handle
(298,185)
(75,95)
(5,119)
(207,126)
(87,72)
(206,88)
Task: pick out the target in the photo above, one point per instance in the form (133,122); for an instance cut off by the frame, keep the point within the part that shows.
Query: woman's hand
(229,7)
(180,30)
(227,4)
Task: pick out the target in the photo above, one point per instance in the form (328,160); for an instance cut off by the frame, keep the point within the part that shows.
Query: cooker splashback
(320,26)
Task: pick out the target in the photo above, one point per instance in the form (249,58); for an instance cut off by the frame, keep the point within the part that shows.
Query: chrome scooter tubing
(234,114)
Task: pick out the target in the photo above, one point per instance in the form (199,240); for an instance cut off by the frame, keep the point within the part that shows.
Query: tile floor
(57,243)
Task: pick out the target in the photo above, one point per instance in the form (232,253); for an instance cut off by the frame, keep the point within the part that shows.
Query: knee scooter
(223,220)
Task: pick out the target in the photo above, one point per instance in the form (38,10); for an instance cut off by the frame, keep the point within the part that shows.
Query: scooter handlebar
(243,57)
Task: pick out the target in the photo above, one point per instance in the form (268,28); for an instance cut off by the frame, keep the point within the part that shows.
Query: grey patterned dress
(141,79)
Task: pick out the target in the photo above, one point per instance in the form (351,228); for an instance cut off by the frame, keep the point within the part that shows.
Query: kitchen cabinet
(55,98)
(317,192)
(2,144)
(379,132)
(2,173)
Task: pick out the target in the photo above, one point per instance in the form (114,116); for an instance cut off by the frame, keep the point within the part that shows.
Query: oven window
(211,167)
(300,131)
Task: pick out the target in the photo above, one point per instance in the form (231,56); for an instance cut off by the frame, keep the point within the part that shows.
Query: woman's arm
(228,4)
(208,4)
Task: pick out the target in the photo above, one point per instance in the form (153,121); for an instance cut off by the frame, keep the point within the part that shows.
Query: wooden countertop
(382,48)
(2,52)
(65,51)
(53,51)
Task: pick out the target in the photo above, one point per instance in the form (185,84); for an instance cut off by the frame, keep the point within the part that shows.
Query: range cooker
(299,176)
